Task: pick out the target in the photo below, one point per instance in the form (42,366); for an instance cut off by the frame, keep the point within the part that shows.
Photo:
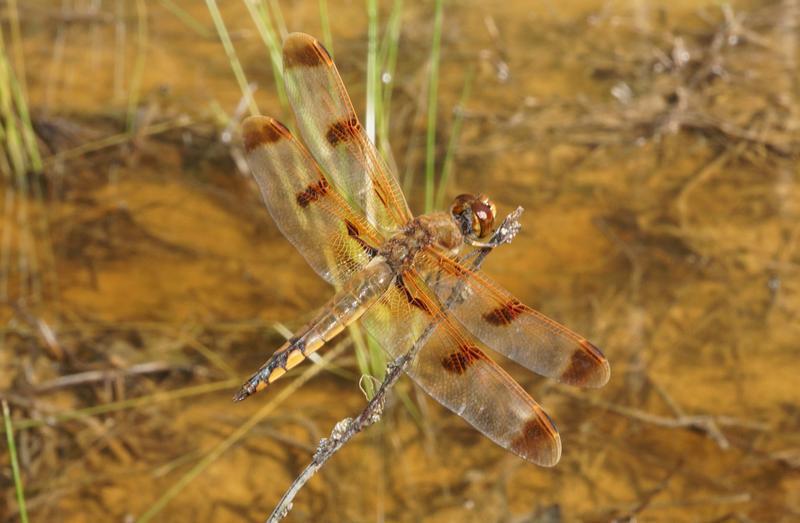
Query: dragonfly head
(474,215)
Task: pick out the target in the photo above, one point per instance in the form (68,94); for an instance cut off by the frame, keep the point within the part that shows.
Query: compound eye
(483,210)
(477,228)
(461,203)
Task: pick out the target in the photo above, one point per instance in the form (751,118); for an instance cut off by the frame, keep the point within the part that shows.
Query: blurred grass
(233,59)
(325,22)
(433,93)
(142,43)
(369,355)
(272,41)
(20,164)
(373,89)
(452,143)
(20,152)
(185,17)
(130,403)
(388,59)
(12,451)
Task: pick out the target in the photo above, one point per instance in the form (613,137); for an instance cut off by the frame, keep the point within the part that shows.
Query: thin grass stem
(12,451)
(117,139)
(272,41)
(230,51)
(455,134)
(389,64)
(142,37)
(130,403)
(325,21)
(433,88)
(187,19)
(277,15)
(372,68)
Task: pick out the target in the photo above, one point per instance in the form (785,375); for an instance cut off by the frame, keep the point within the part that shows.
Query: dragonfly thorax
(437,228)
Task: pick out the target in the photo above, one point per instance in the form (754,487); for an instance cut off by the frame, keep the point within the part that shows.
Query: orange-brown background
(654,146)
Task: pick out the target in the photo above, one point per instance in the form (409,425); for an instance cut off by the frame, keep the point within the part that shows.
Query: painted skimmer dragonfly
(341,207)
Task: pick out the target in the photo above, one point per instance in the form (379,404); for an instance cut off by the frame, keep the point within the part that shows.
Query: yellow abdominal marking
(328,336)
(276,373)
(314,345)
(294,358)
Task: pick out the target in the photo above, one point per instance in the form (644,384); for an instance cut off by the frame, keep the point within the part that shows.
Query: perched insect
(342,208)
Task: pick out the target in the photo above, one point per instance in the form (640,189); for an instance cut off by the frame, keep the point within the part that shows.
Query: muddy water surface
(654,147)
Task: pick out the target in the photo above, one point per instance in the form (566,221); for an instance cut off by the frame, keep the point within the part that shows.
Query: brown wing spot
(343,131)
(379,193)
(352,228)
(538,440)
(459,361)
(354,233)
(313,192)
(587,367)
(262,130)
(413,300)
(505,314)
(303,50)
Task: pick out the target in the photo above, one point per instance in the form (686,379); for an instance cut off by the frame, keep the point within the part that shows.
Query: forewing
(331,130)
(308,210)
(512,328)
(455,371)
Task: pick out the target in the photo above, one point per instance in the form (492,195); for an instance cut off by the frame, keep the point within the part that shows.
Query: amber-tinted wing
(512,328)
(331,130)
(309,211)
(454,370)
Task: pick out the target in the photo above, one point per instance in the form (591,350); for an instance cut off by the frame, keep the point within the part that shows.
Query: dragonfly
(337,200)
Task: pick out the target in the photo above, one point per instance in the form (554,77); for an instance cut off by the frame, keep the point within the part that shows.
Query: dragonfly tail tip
(241,395)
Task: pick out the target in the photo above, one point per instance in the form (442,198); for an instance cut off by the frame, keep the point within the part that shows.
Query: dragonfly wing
(512,328)
(336,241)
(331,129)
(455,371)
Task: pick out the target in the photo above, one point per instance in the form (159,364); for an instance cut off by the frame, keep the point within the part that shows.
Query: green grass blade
(325,21)
(139,63)
(187,19)
(12,451)
(433,87)
(19,89)
(10,131)
(388,62)
(362,352)
(230,51)
(277,15)
(271,38)
(372,68)
(455,133)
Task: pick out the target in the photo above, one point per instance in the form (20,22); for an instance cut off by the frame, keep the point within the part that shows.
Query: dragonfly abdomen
(346,306)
